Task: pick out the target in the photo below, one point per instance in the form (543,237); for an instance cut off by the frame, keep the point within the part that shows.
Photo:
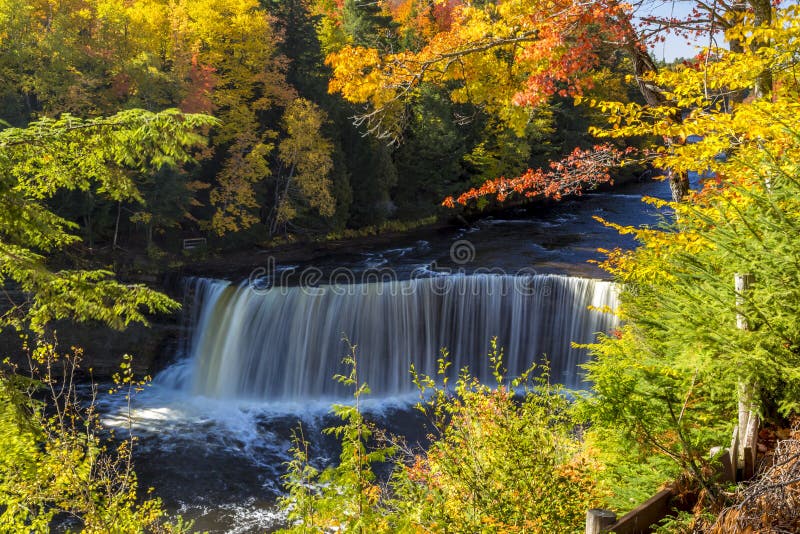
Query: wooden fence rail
(643,517)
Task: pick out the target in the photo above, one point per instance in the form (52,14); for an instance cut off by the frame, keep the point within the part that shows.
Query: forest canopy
(247,63)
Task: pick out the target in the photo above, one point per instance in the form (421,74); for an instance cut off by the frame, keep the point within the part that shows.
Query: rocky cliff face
(152,348)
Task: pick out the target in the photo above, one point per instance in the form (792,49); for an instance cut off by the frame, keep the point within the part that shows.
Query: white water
(285,344)
(219,460)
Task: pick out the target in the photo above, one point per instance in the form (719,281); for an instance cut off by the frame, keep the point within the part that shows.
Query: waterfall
(285,343)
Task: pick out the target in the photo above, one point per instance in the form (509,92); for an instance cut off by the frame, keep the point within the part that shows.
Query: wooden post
(746,432)
(598,520)
(727,466)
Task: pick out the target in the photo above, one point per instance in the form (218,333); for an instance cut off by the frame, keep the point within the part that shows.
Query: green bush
(498,462)
(54,464)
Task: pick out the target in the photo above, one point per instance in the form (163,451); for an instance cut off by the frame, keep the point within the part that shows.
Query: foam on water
(220,420)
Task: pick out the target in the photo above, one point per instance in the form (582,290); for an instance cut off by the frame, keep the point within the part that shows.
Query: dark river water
(217,457)
(549,238)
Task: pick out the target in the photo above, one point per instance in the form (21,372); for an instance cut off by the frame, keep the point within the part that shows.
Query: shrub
(56,467)
(505,458)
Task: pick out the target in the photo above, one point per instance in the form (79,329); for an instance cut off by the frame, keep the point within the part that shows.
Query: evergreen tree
(365,24)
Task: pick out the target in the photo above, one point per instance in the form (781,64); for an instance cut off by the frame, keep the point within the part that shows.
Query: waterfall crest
(285,343)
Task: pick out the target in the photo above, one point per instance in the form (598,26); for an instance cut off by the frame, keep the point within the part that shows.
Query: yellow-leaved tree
(693,345)
(235,40)
(305,156)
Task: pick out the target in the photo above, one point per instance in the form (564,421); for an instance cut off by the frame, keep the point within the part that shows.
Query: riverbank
(239,262)
(540,238)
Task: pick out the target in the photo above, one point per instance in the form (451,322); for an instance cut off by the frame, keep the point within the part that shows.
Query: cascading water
(214,429)
(285,343)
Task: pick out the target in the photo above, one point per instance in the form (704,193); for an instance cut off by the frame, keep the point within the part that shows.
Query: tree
(155,54)
(498,461)
(168,197)
(419,20)
(513,55)
(430,161)
(502,56)
(56,470)
(75,154)
(672,375)
(365,25)
(236,39)
(53,460)
(344,497)
(306,162)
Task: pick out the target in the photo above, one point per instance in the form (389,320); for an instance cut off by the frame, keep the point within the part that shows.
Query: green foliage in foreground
(497,462)
(667,383)
(53,461)
(344,496)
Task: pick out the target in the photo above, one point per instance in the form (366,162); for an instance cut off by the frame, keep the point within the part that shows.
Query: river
(214,428)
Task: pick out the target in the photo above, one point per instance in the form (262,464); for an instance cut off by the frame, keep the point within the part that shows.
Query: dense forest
(128,127)
(285,157)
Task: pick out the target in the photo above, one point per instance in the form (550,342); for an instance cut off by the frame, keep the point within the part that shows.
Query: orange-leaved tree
(509,56)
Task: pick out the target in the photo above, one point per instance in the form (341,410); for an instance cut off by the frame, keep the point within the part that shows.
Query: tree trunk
(644,66)
(279,197)
(116,226)
(149,233)
(762,11)
(678,185)
(746,432)
(87,219)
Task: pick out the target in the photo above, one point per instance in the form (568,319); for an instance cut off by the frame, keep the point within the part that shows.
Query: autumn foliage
(506,56)
(511,57)
(571,175)
(211,56)
(498,461)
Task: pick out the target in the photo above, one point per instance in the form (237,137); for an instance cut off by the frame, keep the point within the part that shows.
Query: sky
(674,47)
